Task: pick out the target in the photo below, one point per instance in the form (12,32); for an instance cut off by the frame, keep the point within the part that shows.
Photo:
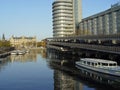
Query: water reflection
(61,81)
(43,52)
(68,77)
(46,70)
(26,72)
(28,57)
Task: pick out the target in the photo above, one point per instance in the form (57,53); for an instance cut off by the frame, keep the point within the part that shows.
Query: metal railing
(110,49)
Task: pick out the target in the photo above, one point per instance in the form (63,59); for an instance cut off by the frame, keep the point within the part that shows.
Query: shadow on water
(28,57)
(68,77)
(65,75)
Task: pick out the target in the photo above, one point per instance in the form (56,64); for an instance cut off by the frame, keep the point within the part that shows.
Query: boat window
(84,62)
(92,64)
(88,63)
(95,64)
(104,64)
(99,63)
(112,64)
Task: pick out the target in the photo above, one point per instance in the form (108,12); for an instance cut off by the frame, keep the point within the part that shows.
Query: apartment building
(103,23)
(66,17)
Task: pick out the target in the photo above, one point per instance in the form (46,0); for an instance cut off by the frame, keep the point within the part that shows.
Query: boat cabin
(98,62)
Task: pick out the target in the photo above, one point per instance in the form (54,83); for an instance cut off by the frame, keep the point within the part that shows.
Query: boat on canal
(18,52)
(14,52)
(99,65)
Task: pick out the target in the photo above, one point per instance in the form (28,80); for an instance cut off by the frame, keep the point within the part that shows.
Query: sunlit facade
(66,16)
(103,23)
(23,42)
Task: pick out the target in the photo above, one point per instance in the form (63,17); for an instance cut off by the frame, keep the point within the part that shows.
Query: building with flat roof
(66,16)
(103,23)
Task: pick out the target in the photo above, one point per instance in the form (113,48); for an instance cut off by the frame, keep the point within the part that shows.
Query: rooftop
(115,5)
(97,60)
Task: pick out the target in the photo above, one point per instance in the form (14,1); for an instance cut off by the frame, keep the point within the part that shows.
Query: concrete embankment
(5,51)
(3,55)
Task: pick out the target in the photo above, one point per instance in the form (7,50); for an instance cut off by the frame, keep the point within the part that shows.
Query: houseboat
(99,65)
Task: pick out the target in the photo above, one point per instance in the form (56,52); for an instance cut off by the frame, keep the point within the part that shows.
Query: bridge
(101,43)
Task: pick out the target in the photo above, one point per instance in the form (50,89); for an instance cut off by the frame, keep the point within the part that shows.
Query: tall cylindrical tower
(64,17)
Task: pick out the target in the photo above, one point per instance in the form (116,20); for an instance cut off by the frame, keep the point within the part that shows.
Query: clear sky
(34,17)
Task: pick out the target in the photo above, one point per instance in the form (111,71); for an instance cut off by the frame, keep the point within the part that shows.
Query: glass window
(104,64)
(98,63)
(92,64)
(88,63)
(112,64)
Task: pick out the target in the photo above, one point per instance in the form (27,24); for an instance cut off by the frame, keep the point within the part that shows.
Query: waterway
(43,70)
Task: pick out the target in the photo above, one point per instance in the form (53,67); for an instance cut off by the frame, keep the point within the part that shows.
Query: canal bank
(5,51)
(83,53)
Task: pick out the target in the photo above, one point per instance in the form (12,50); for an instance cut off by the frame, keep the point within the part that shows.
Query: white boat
(99,65)
(21,53)
(14,52)
(18,52)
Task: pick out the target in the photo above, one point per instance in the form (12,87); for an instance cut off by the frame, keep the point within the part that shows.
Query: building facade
(66,16)
(103,23)
(23,42)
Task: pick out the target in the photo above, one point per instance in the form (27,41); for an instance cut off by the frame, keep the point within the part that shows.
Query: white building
(66,16)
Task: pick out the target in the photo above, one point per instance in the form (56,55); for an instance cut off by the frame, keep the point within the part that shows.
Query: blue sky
(34,17)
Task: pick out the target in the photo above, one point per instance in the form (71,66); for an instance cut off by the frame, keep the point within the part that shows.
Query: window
(95,64)
(88,63)
(104,64)
(112,64)
(92,64)
(98,63)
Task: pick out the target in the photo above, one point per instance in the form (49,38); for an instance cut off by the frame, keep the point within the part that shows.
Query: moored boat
(14,52)
(99,65)
(18,52)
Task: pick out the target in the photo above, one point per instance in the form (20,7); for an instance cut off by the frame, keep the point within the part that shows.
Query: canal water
(43,70)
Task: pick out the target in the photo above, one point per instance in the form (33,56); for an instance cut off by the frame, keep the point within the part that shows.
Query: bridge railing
(107,37)
(111,49)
